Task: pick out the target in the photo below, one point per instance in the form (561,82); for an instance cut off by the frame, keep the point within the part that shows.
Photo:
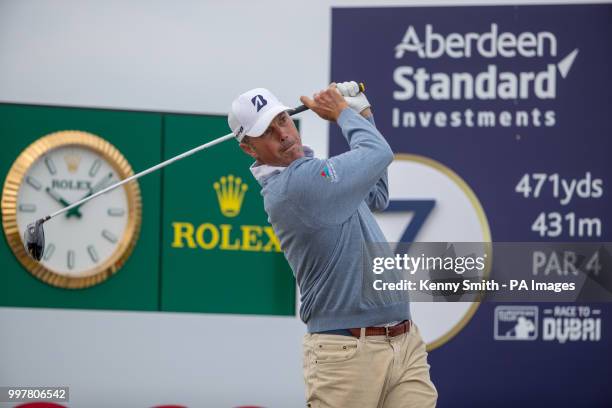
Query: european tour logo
(230,192)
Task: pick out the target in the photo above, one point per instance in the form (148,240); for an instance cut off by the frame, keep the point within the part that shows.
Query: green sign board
(219,253)
(204,245)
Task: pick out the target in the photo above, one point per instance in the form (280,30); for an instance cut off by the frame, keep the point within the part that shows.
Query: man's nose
(283,134)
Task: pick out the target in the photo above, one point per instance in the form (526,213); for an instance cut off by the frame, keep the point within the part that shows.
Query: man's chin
(293,153)
(296,151)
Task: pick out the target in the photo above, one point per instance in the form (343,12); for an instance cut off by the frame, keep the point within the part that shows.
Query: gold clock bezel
(10,193)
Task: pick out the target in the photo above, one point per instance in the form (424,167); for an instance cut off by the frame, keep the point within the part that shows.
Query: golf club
(34,234)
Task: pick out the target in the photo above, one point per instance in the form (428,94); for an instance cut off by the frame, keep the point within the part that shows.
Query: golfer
(357,353)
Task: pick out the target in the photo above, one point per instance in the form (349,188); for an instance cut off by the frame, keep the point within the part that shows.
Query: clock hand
(63,202)
(97,187)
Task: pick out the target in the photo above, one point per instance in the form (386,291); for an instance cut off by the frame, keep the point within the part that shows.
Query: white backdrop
(179,56)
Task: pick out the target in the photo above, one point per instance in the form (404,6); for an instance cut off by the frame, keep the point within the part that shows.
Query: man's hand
(354,97)
(328,103)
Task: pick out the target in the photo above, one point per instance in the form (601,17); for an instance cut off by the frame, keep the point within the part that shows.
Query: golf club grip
(303,108)
(297,110)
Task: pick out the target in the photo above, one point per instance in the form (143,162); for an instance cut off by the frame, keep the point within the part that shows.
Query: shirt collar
(262,172)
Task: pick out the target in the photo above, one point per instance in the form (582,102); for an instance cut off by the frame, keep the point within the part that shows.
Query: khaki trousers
(367,372)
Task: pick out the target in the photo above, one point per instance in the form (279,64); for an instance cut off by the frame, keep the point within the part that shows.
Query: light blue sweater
(321,212)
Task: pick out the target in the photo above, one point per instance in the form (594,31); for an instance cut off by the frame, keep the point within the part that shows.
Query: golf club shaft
(294,111)
(142,173)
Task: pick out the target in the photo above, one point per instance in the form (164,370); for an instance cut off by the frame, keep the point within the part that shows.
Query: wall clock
(90,243)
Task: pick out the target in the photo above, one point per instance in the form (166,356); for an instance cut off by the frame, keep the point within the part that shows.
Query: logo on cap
(259,102)
(239,131)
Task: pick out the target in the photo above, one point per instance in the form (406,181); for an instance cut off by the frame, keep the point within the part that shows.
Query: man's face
(279,145)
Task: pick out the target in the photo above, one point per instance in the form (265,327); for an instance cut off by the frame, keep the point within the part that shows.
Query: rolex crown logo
(72,161)
(230,193)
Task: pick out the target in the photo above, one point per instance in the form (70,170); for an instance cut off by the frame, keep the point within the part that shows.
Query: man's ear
(248,149)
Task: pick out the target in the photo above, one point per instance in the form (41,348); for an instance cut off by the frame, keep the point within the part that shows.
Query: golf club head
(34,240)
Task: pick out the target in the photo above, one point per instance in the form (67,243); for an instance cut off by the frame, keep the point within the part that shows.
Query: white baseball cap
(253,111)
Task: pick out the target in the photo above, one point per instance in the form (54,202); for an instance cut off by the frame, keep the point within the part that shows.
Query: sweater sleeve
(378,197)
(329,191)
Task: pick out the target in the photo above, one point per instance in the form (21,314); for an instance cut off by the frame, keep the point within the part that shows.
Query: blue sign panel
(500,117)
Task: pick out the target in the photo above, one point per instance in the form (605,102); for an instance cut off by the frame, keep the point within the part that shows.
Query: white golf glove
(352,95)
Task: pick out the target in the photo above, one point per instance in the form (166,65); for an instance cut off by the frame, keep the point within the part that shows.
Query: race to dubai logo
(517,75)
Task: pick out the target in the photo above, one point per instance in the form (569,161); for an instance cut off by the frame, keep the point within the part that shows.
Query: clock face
(89,243)
(81,239)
